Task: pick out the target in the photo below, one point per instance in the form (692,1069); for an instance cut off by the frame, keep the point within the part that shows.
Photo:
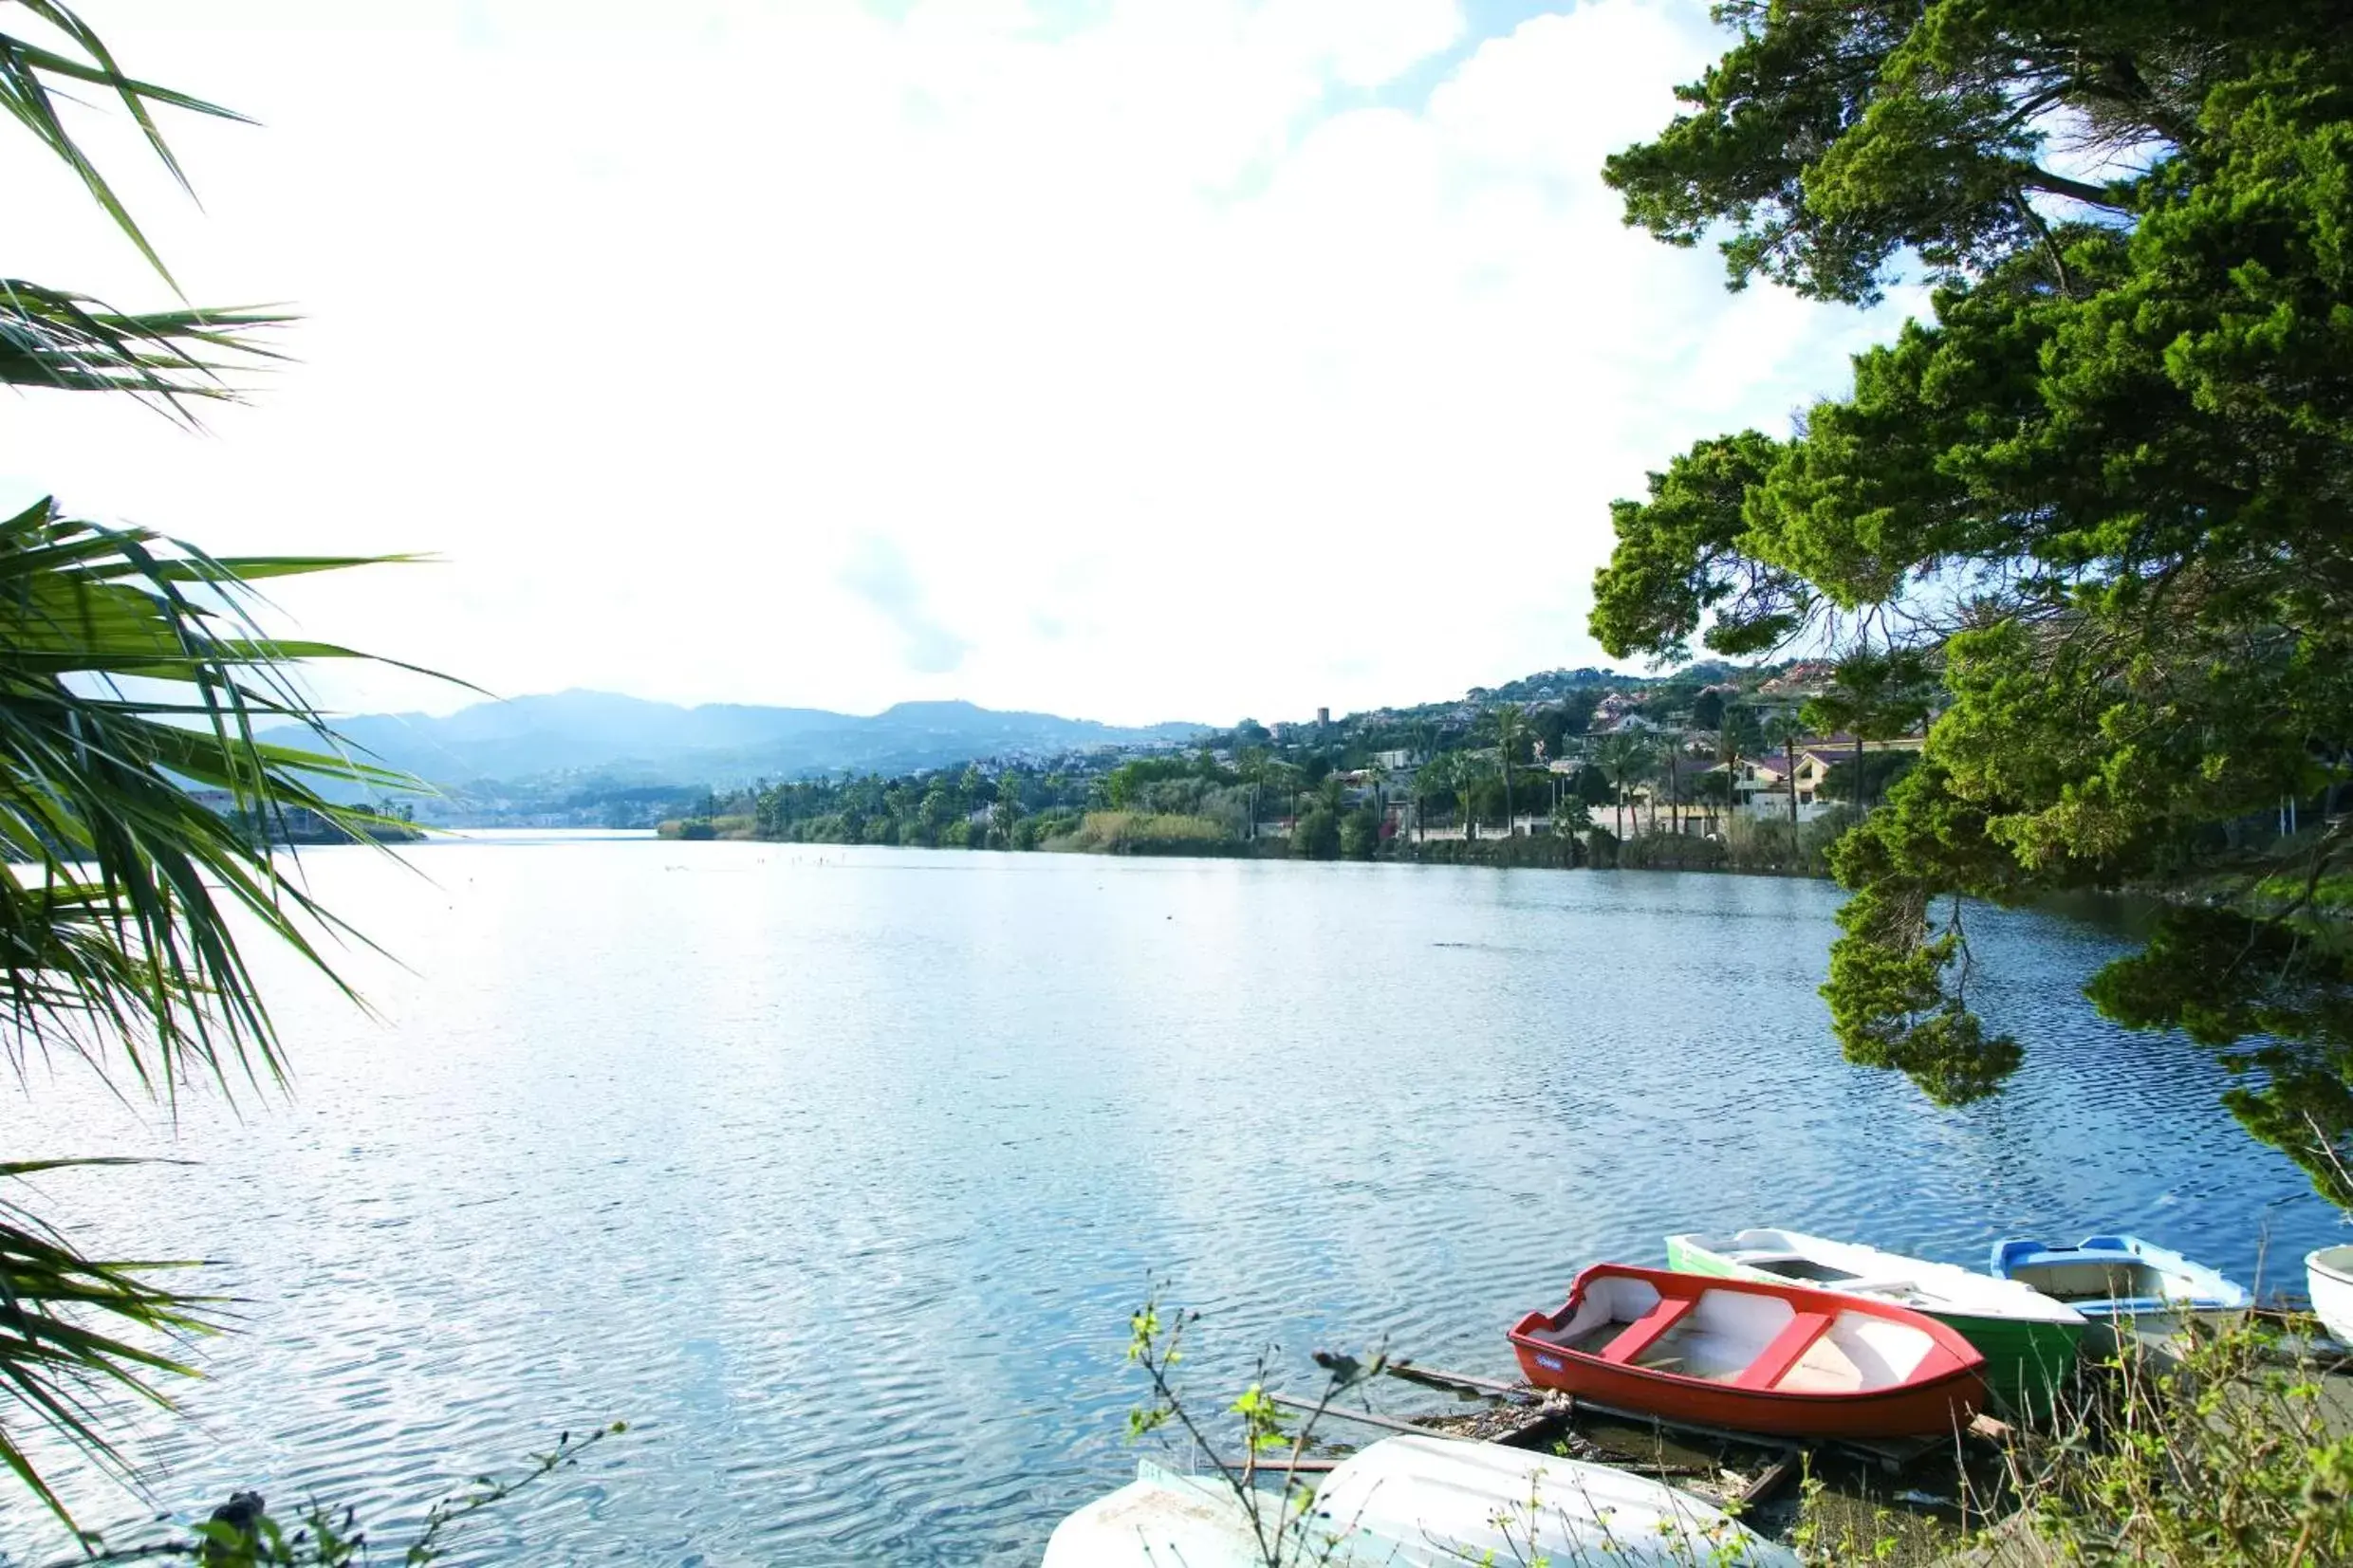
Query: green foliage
(1272,1443)
(242,1535)
(1316,835)
(2230,1458)
(1871,779)
(1874,695)
(132,674)
(1623,761)
(1360,834)
(1138,833)
(118,938)
(61,1359)
(2100,496)
(1675,852)
(1125,785)
(1681,559)
(1018,809)
(1835,135)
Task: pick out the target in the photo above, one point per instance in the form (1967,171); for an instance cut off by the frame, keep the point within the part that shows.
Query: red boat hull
(1941,1392)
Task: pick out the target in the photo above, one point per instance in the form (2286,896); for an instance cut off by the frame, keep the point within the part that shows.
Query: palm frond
(132,674)
(77,1335)
(29,78)
(54,338)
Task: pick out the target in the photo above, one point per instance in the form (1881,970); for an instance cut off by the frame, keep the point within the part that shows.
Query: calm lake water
(837,1173)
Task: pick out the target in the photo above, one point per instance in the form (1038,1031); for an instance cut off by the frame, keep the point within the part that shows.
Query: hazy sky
(1137,361)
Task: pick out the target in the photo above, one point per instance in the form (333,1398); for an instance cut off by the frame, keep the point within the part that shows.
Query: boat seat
(1789,1347)
(1644,1331)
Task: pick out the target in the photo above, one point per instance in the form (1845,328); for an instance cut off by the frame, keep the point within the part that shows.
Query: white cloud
(877,573)
(1175,390)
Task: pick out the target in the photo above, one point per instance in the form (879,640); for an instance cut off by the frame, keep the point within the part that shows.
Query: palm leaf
(54,338)
(28,92)
(55,1365)
(114,937)
(132,674)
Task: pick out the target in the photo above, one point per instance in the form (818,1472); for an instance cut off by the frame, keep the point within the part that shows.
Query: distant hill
(626,738)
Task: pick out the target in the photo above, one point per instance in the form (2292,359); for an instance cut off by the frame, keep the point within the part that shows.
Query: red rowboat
(1752,1357)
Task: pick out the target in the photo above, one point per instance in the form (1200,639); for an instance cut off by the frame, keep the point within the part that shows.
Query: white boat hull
(1416,1503)
(1857,1270)
(2328,1275)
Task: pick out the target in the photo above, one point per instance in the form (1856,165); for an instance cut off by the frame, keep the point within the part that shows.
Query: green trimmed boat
(2030,1341)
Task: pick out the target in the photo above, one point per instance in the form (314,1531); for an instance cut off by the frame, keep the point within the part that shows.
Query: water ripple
(839,1182)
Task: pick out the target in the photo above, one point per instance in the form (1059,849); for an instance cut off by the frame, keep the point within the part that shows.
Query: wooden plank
(1647,1418)
(1278,1465)
(1366,1417)
(1642,1467)
(1775,1476)
(1432,1378)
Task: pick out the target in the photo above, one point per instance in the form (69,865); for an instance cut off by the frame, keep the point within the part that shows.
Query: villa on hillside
(1692,801)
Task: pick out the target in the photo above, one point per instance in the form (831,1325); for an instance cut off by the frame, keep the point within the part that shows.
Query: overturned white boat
(1413,1503)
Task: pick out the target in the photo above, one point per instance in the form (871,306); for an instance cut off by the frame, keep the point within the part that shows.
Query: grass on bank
(2239,1455)
(1144,833)
(741,826)
(2242,1456)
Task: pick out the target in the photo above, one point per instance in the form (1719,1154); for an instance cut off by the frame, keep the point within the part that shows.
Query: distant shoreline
(1522,852)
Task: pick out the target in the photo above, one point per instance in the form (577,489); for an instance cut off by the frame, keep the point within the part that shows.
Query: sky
(1132,359)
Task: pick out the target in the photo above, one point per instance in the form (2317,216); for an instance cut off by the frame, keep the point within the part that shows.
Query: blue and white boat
(2129,1288)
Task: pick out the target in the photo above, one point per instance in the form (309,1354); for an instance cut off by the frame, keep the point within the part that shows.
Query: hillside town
(1719,764)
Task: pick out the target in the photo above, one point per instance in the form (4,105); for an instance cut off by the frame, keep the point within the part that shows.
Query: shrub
(2229,1458)
(1138,833)
(1317,835)
(1674,852)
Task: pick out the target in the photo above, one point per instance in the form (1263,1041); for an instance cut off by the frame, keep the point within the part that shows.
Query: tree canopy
(2101,494)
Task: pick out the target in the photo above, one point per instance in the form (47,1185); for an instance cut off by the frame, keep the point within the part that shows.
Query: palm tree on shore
(1624,761)
(1792,732)
(1874,696)
(1425,751)
(1442,774)
(1511,730)
(1736,736)
(1377,776)
(1252,766)
(1671,764)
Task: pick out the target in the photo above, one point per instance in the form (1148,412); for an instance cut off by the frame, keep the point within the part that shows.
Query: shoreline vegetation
(1719,769)
(1160,834)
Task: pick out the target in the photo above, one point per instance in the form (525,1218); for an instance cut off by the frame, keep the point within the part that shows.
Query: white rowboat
(2329,1276)
(2029,1340)
(1416,1503)
(1853,1269)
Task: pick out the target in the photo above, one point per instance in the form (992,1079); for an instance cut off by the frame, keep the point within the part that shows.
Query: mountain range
(630,740)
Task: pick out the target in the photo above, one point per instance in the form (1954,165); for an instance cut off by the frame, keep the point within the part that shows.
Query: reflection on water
(837,1171)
